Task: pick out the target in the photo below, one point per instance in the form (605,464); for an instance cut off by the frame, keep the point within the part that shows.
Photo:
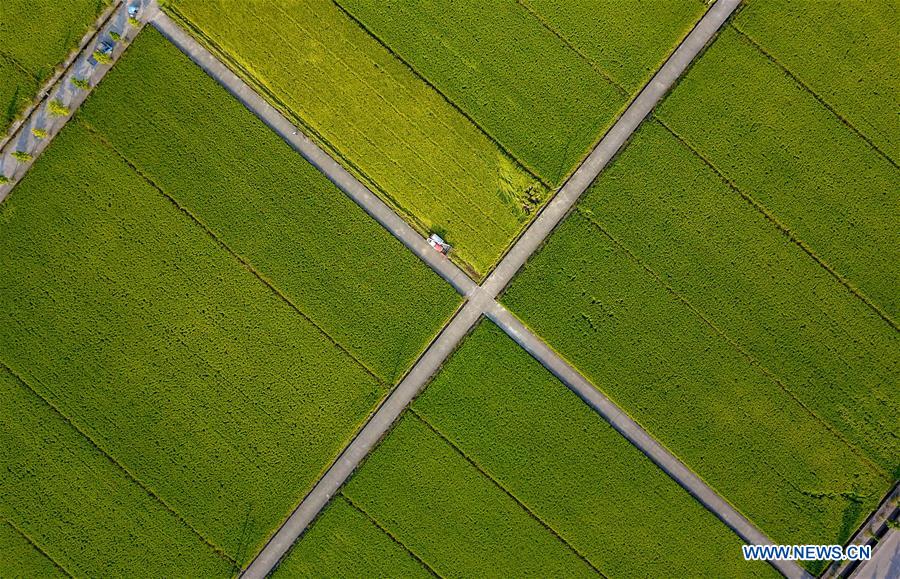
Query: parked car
(105,48)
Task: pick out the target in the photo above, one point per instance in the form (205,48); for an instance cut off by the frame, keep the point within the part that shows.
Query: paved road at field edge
(482,300)
(346,182)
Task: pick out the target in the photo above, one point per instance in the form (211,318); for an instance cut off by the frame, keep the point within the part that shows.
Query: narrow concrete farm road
(346,182)
(652,93)
(21,137)
(482,300)
(631,430)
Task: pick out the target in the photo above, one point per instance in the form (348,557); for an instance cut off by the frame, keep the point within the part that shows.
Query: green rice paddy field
(18,552)
(71,510)
(386,125)
(320,251)
(495,440)
(35,37)
(846,52)
(682,312)
(135,307)
(779,146)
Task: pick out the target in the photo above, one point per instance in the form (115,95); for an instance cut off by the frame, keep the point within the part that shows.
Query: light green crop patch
(628,40)
(374,115)
(515,78)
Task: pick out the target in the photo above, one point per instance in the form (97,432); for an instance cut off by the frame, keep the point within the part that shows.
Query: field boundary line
(506,491)
(38,548)
(238,257)
(60,70)
(128,474)
(632,430)
(790,74)
(15,62)
(785,230)
(449,101)
(384,530)
(552,30)
(772,376)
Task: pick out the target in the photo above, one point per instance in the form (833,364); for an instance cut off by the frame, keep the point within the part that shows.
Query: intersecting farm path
(481,300)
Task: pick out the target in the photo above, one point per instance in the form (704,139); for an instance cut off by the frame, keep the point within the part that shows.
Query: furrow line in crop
(249,266)
(389,534)
(456,107)
(750,40)
(785,230)
(40,550)
(15,62)
(525,6)
(480,469)
(746,354)
(216,549)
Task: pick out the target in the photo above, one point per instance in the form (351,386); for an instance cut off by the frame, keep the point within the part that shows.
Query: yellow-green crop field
(387,126)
